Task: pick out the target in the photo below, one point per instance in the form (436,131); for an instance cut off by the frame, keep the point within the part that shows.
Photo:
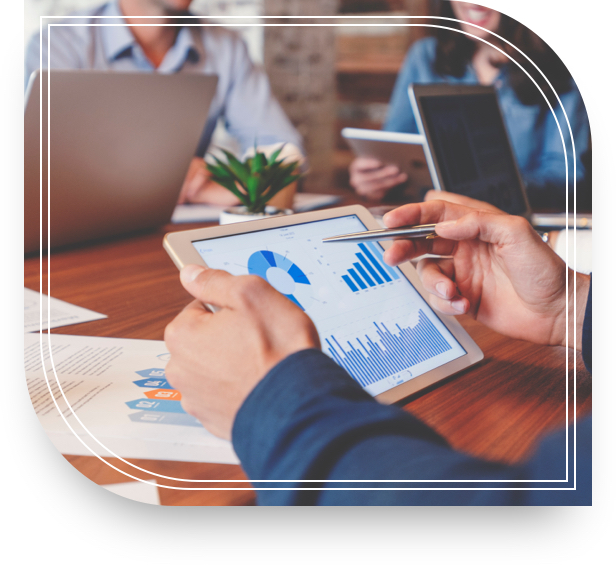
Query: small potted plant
(255,182)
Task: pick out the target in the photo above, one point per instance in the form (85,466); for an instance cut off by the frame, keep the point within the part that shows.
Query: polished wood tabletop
(497,409)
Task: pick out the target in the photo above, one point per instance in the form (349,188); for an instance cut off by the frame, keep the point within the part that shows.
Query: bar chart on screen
(370,269)
(388,350)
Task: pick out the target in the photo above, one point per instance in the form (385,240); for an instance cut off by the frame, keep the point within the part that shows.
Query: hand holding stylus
(499,270)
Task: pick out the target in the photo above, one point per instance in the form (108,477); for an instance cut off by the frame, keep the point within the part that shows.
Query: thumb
(489,227)
(209,286)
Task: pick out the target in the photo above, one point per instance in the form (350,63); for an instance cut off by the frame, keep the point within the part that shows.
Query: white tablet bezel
(381,135)
(179,246)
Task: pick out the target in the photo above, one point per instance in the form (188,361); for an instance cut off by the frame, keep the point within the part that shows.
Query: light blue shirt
(532,129)
(243,97)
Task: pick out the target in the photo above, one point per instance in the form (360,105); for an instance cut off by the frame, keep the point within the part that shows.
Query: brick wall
(300,62)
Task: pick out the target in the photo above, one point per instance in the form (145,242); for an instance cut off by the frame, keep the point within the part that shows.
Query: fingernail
(441,288)
(458,306)
(189,273)
(387,258)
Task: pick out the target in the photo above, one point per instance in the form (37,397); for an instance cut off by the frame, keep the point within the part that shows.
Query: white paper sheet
(146,492)
(60,313)
(119,402)
(303,202)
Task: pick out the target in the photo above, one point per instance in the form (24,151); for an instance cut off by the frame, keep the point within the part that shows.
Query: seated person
(243,98)
(454,57)
(253,372)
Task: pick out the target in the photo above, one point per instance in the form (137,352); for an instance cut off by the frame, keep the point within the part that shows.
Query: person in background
(243,97)
(454,57)
(253,373)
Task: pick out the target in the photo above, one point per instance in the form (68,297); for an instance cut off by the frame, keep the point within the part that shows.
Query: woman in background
(454,57)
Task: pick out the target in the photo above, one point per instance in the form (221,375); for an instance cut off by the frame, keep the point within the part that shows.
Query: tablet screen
(370,318)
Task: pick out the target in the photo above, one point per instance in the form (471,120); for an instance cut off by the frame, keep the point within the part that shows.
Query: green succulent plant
(256,180)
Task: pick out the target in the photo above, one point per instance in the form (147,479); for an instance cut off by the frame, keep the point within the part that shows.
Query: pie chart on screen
(284,275)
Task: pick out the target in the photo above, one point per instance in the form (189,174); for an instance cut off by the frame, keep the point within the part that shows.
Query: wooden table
(496,410)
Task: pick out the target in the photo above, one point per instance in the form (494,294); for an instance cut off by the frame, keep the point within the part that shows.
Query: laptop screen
(471,149)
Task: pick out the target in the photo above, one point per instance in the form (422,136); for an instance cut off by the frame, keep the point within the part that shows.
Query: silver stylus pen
(406,232)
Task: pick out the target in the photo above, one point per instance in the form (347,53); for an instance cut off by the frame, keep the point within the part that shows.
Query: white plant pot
(239,214)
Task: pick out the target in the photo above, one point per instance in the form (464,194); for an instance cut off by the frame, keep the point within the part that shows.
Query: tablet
(405,150)
(373,319)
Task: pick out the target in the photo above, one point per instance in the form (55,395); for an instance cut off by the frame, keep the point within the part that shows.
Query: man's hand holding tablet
(217,359)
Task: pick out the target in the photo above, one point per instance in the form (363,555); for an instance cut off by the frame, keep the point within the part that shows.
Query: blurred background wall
(325,77)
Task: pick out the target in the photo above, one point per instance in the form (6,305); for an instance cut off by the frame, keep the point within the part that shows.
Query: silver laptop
(119,147)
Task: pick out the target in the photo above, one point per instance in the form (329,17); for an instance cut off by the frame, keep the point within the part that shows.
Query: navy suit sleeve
(309,434)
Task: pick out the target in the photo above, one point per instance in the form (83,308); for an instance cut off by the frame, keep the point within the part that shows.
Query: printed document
(110,397)
(58,314)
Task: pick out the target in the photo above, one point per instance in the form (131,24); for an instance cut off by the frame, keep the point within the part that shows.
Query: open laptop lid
(469,148)
(119,147)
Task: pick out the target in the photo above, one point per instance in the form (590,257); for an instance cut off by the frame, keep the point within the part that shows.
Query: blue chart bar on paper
(370,270)
(370,361)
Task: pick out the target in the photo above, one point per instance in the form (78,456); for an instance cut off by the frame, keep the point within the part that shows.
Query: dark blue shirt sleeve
(309,434)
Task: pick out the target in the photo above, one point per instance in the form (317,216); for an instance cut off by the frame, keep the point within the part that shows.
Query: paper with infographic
(111,397)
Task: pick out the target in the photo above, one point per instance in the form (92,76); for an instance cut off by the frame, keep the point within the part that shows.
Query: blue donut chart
(284,275)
